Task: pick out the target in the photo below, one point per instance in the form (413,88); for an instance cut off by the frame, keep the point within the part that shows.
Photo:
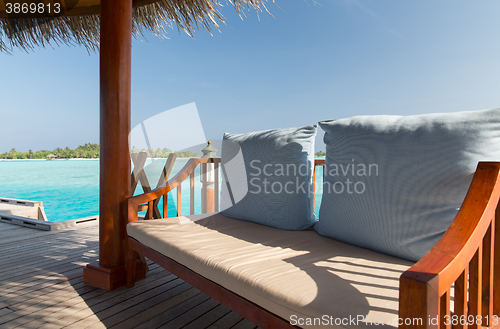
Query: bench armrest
(464,256)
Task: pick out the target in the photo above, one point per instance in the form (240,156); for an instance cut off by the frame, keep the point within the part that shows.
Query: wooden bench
(461,268)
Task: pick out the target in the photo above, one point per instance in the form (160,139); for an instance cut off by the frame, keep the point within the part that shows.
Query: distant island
(165,152)
(87,151)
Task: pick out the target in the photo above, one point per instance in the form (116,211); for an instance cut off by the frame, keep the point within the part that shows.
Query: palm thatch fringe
(187,15)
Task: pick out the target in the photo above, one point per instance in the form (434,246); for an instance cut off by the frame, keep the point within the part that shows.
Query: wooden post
(210,198)
(208,177)
(115,67)
(207,188)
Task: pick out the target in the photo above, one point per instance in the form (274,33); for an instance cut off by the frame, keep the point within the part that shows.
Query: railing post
(496,263)
(419,301)
(208,180)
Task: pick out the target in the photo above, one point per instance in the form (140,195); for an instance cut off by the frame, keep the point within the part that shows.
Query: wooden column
(115,67)
(210,199)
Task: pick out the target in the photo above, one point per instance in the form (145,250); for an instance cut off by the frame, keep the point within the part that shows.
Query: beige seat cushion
(298,275)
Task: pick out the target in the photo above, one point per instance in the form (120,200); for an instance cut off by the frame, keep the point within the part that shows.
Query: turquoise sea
(69,189)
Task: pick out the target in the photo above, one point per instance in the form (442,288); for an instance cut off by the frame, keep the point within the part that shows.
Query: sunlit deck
(41,286)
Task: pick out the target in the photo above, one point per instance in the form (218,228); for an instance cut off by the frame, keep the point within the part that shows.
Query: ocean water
(69,189)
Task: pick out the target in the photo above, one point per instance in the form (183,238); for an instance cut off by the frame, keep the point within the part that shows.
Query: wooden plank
(191,193)
(165,205)
(208,318)
(56,295)
(460,298)
(444,311)
(496,265)
(11,262)
(244,324)
(227,321)
(87,308)
(7,227)
(47,279)
(203,188)
(26,300)
(216,187)
(80,228)
(31,288)
(84,310)
(40,264)
(89,303)
(59,272)
(104,310)
(174,312)
(26,272)
(30,234)
(36,285)
(475,286)
(45,315)
(4,311)
(191,314)
(138,160)
(10,282)
(157,309)
(179,203)
(35,311)
(22,236)
(167,169)
(487,275)
(118,315)
(58,245)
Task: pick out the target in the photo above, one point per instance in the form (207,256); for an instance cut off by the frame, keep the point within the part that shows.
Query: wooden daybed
(280,279)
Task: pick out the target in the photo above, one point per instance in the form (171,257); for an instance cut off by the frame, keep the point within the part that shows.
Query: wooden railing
(150,200)
(139,176)
(467,257)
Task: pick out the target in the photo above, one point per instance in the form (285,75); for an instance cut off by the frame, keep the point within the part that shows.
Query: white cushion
(394,184)
(274,184)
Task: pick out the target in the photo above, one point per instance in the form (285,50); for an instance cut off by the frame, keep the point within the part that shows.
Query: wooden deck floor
(41,287)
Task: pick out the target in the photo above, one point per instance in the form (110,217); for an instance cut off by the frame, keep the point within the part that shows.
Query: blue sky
(311,62)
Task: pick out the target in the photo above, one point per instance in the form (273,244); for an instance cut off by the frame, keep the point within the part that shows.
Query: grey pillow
(273,183)
(394,184)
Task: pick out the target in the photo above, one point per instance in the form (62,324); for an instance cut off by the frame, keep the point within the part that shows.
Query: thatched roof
(78,22)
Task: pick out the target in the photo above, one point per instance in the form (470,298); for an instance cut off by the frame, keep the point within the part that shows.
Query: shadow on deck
(41,286)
